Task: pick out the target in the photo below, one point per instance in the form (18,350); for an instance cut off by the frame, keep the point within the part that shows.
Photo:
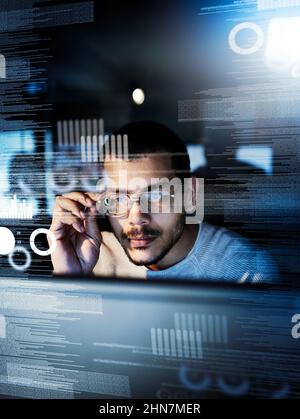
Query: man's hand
(78,238)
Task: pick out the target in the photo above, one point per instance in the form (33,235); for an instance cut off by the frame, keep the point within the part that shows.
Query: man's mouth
(144,241)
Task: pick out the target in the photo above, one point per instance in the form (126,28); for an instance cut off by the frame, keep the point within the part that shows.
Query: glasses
(119,204)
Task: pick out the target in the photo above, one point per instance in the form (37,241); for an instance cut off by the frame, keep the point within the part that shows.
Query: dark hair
(151,138)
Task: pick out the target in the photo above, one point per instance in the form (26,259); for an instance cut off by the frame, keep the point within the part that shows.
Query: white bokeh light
(283,43)
(7,241)
(138,96)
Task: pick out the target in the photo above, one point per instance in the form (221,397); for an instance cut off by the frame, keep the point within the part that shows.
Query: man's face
(145,237)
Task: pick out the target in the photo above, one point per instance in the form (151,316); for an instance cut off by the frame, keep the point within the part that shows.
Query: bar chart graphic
(213,327)
(96,149)
(87,136)
(176,343)
(69,132)
(15,209)
(190,332)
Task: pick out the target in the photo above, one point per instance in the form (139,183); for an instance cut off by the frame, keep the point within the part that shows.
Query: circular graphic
(63,187)
(240,387)
(250,50)
(33,246)
(89,179)
(26,265)
(7,241)
(282,392)
(199,383)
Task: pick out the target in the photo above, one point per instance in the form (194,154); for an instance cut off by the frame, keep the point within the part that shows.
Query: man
(149,244)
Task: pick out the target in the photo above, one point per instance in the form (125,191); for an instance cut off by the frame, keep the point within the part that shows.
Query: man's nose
(136,216)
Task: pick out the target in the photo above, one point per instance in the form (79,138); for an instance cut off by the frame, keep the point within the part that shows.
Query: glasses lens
(155,196)
(112,204)
(117,204)
(155,201)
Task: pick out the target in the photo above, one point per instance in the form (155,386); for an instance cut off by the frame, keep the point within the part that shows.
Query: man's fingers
(95,196)
(70,220)
(69,205)
(88,199)
(91,225)
(80,197)
(69,210)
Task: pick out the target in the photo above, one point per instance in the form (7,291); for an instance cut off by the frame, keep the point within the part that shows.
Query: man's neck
(180,250)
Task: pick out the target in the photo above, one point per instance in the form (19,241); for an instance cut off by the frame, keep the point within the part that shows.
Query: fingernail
(82,215)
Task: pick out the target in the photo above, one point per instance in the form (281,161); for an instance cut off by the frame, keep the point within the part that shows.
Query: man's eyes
(149,196)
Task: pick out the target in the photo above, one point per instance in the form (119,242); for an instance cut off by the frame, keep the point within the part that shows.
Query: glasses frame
(132,198)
